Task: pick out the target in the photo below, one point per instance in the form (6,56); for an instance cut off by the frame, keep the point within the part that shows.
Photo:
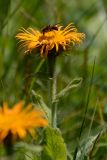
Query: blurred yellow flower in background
(52,38)
(19,121)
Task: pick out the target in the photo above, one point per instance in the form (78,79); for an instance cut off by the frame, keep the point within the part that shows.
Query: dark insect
(49,28)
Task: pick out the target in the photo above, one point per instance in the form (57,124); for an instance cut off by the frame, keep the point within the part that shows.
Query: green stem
(36,71)
(30,80)
(52,87)
(8,146)
(54,103)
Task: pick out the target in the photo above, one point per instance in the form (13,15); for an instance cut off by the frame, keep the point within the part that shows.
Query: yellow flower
(19,121)
(52,38)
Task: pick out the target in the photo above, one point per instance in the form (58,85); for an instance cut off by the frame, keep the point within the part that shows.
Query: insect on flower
(50,28)
(52,39)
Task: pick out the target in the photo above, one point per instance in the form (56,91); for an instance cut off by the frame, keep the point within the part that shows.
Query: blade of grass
(11,15)
(90,126)
(86,109)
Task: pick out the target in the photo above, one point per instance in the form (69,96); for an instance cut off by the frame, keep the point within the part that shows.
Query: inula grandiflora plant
(49,43)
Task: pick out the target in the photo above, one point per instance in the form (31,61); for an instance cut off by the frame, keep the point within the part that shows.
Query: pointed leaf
(42,105)
(73,84)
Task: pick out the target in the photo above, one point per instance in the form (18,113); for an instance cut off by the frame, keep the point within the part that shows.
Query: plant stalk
(8,147)
(52,88)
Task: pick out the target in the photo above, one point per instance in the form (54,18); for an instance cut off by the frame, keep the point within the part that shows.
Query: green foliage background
(20,74)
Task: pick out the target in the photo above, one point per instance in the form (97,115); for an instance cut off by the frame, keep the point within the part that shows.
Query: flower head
(18,121)
(52,37)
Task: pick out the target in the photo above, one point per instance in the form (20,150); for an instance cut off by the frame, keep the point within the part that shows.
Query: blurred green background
(18,72)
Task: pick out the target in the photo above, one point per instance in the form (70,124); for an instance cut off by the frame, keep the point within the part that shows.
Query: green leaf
(42,105)
(87,147)
(54,148)
(73,84)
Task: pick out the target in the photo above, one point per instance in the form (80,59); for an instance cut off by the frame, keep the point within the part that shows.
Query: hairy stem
(52,87)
